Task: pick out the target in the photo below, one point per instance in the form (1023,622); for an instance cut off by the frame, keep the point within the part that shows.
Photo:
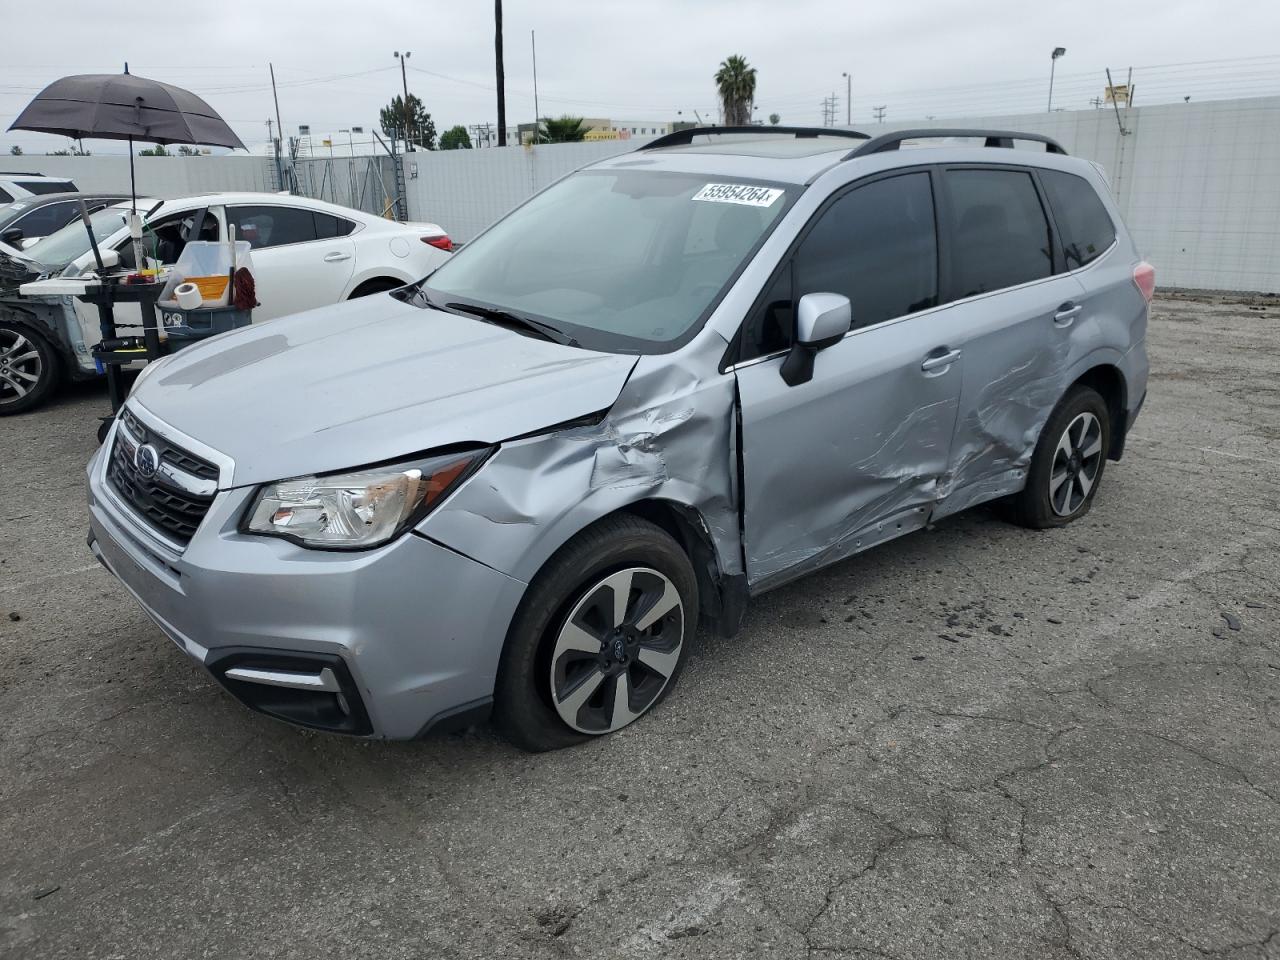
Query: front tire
(29,369)
(600,638)
(1066,469)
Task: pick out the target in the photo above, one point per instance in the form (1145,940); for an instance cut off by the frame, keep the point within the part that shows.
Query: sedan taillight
(440,241)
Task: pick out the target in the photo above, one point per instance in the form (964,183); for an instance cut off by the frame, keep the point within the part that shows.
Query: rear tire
(623,584)
(1067,467)
(30,368)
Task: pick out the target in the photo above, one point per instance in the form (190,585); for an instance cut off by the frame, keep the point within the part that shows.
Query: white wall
(161,177)
(1199,183)
(466,190)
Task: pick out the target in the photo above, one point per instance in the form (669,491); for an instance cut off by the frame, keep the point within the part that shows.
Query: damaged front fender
(670,437)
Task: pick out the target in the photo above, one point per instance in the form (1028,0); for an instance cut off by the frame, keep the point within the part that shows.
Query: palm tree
(566,129)
(736,84)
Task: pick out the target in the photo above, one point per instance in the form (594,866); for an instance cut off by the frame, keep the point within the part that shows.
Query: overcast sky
(643,59)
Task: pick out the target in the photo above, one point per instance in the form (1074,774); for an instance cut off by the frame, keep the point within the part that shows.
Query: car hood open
(367,381)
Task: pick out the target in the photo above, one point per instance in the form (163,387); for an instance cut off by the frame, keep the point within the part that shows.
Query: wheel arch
(1109,381)
(722,597)
(376,283)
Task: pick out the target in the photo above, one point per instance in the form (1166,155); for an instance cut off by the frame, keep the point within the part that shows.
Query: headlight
(361,509)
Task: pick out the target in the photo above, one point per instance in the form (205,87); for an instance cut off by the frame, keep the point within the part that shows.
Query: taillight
(440,241)
(1144,277)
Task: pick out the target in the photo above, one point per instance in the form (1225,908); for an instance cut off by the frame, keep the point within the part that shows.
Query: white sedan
(306,253)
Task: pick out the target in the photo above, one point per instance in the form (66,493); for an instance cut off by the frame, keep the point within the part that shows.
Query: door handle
(1066,314)
(937,363)
(336,256)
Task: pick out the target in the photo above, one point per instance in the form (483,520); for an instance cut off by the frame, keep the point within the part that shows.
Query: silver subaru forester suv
(671,381)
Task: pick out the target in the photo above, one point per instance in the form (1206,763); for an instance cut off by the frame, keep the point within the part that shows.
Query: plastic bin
(207,264)
(187,326)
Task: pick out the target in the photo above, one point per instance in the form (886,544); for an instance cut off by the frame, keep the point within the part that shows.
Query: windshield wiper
(505,318)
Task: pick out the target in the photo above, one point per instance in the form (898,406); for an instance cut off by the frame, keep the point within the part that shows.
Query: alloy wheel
(1076,463)
(20,366)
(617,650)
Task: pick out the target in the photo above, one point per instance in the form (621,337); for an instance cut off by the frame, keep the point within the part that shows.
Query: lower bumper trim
(314,690)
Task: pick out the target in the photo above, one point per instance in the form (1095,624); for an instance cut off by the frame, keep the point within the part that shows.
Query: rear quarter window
(41,187)
(1083,222)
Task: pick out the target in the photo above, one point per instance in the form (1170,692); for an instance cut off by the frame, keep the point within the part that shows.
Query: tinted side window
(876,245)
(1082,219)
(41,187)
(5,197)
(1000,234)
(43,221)
(272,226)
(327,226)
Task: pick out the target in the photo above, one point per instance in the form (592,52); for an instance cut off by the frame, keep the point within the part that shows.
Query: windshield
(616,259)
(61,247)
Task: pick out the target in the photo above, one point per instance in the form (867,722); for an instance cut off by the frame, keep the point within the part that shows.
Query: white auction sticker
(743,193)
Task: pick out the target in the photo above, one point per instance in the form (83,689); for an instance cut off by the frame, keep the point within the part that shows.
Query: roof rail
(682,138)
(992,138)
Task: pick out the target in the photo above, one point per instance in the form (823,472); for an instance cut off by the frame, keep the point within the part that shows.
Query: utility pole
(279,126)
(537,119)
(404,103)
(1111,87)
(848,100)
(502,95)
(879,112)
(829,110)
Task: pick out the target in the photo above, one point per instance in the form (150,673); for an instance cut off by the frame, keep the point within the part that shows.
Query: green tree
(422,129)
(564,129)
(775,119)
(455,138)
(185,151)
(157,151)
(736,86)
(15,151)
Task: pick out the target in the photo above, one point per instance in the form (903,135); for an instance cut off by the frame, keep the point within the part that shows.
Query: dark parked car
(32,218)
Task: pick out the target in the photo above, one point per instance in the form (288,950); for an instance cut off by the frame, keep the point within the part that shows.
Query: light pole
(1053,62)
(405,103)
(848,100)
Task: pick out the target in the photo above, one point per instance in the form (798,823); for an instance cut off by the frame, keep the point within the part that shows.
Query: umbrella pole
(135,222)
(133,185)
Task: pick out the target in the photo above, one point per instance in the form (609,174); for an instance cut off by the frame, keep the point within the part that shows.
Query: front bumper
(410,632)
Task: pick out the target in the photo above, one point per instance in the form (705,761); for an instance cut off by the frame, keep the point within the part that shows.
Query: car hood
(370,380)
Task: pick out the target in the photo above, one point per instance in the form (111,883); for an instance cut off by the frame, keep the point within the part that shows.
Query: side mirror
(110,259)
(821,320)
(12,236)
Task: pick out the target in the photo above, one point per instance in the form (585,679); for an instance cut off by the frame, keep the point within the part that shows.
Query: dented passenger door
(853,456)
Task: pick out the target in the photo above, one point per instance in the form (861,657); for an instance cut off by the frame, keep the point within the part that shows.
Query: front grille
(173,511)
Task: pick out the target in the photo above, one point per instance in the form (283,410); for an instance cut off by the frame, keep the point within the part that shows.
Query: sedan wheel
(617,650)
(20,366)
(1075,464)
(28,369)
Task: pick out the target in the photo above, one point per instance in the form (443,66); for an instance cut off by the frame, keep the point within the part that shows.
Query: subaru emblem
(146,460)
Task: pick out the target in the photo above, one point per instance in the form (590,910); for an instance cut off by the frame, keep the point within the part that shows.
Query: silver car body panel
(776,480)
(370,380)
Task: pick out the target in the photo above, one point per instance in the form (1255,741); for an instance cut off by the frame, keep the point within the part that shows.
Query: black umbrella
(122,106)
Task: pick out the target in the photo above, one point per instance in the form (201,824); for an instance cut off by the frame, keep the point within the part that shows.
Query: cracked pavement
(976,741)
